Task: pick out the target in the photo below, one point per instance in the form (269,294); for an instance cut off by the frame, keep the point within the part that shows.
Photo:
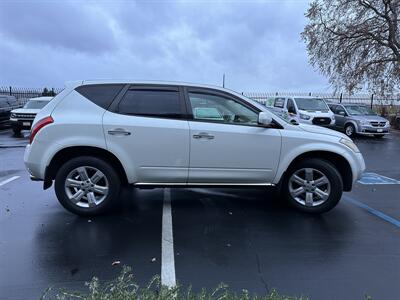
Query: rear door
(146,129)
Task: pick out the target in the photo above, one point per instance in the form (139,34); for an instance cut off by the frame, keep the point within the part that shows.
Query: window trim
(114,107)
(218,93)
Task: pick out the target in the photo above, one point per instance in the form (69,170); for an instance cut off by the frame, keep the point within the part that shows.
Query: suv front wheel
(313,186)
(87,186)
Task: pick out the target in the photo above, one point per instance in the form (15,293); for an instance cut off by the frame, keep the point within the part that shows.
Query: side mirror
(342,113)
(264,119)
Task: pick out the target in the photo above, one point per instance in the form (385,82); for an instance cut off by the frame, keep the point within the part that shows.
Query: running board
(189,184)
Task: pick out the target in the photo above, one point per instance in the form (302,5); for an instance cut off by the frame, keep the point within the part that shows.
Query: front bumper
(4,117)
(359,168)
(371,130)
(318,121)
(21,124)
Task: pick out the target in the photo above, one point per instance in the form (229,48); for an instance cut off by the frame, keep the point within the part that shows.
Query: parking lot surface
(245,238)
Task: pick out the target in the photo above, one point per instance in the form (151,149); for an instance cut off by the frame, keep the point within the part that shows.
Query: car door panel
(156,150)
(154,147)
(226,143)
(236,154)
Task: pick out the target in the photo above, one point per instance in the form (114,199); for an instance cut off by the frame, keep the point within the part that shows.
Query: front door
(226,143)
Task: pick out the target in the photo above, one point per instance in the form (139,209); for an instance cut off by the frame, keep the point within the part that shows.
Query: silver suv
(97,135)
(359,119)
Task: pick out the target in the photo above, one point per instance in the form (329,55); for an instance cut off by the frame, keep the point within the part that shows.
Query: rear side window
(100,94)
(151,103)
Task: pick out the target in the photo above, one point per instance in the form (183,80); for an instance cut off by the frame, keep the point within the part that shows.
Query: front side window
(151,103)
(220,109)
(340,111)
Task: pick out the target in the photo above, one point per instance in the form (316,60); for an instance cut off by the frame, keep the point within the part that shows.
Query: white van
(302,109)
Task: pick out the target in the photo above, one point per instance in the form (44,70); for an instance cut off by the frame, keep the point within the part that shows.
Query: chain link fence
(365,99)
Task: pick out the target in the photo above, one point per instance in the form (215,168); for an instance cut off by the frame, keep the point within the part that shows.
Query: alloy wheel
(309,187)
(349,130)
(86,186)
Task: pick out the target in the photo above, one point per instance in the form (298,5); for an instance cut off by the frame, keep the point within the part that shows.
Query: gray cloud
(68,25)
(256,44)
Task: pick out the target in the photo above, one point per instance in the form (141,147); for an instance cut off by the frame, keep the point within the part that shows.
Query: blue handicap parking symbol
(373,178)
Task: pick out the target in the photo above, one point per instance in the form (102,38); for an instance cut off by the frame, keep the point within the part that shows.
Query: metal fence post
(341,97)
(10,91)
(372,100)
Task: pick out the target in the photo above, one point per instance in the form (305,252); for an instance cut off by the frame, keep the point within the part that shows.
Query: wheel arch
(354,123)
(68,153)
(339,161)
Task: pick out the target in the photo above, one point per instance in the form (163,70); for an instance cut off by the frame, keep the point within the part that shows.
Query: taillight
(39,125)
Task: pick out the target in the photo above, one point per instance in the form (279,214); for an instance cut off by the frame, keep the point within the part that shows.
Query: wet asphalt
(245,238)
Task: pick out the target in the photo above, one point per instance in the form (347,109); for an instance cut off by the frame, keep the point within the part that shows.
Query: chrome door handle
(119,131)
(203,135)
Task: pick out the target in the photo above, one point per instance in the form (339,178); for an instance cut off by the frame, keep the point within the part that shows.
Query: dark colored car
(7,104)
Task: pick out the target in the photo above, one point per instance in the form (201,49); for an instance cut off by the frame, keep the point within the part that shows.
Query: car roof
(146,82)
(41,98)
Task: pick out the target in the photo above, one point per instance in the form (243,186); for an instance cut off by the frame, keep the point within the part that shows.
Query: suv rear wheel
(87,186)
(313,186)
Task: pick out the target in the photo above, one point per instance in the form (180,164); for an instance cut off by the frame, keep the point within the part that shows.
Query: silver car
(359,119)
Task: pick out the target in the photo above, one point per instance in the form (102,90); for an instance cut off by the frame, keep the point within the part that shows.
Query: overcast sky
(255,43)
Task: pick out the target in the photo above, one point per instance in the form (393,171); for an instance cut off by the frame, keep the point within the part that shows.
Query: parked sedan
(359,119)
(22,118)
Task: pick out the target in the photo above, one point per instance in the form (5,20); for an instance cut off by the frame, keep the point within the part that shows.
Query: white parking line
(167,244)
(8,180)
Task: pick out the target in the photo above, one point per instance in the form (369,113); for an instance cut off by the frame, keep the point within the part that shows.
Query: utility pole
(223,80)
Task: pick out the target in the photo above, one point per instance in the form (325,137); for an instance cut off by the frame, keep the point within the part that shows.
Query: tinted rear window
(100,94)
(152,103)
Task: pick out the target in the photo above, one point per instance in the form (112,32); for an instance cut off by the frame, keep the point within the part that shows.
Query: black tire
(327,169)
(16,130)
(114,185)
(379,135)
(350,130)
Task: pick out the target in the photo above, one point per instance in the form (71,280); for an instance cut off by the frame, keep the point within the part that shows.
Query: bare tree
(355,43)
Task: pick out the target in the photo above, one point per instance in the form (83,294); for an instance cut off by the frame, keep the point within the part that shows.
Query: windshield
(38,104)
(357,110)
(311,104)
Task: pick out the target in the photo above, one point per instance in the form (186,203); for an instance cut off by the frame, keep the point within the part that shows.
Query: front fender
(290,154)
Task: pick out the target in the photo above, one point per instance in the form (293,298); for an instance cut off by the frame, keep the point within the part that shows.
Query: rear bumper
(32,163)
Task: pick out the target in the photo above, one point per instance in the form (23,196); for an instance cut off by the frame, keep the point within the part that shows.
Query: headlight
(304,117)
(363,122)
(350,144)
(387,124)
